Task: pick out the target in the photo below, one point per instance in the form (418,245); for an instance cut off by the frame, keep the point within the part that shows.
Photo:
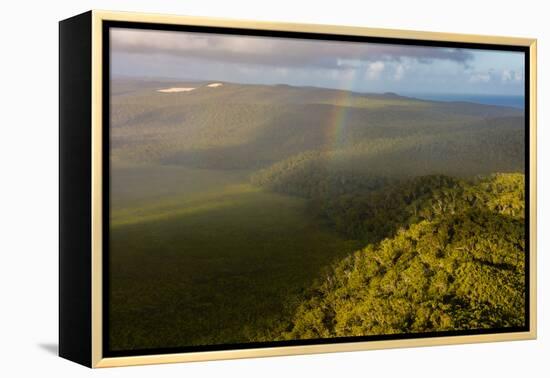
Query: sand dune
(175,89)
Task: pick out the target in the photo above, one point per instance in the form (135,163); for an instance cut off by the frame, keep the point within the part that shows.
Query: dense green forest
(258,213)
(453,259)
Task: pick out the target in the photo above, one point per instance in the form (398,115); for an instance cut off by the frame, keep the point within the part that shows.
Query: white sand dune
(214,85)
(175,89)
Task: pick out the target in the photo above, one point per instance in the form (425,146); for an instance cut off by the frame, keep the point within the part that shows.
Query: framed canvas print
(234,189)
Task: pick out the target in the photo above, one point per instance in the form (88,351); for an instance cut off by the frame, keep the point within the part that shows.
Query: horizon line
(406,93)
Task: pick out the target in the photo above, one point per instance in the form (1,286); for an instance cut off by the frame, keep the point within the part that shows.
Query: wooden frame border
(97,359)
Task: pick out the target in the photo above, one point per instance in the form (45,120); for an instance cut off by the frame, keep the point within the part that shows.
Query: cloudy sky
(364,67)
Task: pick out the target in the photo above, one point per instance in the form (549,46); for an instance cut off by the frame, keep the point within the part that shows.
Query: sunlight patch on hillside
(182,205)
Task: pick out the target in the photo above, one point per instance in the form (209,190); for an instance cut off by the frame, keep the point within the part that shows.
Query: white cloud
(282,71)
(374,70)
(349,63)
(399,72)
(275,51)
(511,76)
(480,77)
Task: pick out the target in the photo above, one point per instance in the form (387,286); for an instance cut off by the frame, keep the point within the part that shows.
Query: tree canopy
(459,264)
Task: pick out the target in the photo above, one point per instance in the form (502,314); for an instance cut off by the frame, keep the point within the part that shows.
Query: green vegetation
(220,267)
(254,126)
(258,213)
(459,266)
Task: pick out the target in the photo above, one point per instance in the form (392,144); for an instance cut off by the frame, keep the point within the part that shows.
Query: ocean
(501,100)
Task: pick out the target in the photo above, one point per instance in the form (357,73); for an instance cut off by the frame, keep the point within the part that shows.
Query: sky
(357,66)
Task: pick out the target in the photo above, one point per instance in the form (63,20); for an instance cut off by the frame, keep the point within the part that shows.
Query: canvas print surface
(270,189)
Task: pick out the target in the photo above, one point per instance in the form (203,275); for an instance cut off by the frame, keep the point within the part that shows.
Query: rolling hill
(237,126)
(249,213)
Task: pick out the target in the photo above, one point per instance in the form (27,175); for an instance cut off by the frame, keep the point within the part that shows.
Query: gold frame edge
(98,361)
(97,202)
(533,187)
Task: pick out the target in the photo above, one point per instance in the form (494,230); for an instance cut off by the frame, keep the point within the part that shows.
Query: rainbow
(337,120)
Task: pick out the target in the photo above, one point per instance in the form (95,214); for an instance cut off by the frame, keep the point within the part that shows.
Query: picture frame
(86,192)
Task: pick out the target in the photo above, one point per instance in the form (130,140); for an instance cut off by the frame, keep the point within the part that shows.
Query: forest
(252,213)
(445,255)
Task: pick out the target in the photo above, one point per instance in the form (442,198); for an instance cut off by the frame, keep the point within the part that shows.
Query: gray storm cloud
(273,51)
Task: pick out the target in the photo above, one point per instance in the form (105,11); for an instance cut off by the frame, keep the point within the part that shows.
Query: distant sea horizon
(500,100)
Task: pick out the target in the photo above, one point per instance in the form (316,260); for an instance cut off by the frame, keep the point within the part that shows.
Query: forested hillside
(459,264)
(255,126)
